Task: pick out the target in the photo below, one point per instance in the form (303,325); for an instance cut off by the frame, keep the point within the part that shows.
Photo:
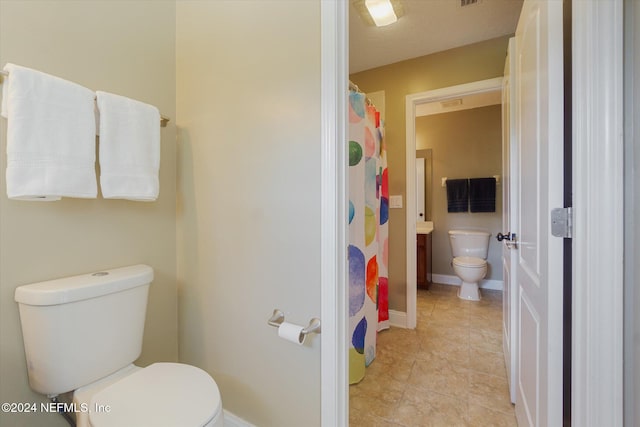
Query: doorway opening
(414,103)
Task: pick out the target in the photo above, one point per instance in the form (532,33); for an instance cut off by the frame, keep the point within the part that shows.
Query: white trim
(334,393)
(597,365)
(447,279)
(232,420)
(632,206)
(398,318)
(412,100)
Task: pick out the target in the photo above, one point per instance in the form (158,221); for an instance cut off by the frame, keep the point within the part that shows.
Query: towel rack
(163,119)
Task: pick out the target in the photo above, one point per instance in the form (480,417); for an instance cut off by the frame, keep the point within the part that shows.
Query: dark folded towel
(457,195)
(482,194)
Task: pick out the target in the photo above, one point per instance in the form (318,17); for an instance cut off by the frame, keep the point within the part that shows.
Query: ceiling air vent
(464,3)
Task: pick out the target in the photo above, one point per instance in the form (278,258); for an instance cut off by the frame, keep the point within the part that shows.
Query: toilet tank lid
(84,286)
(470,232)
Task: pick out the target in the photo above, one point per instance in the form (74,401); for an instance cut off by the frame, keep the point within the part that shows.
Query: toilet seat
(162,394)
(469,262)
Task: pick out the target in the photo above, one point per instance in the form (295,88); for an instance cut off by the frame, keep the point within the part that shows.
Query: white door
(539,127)
(509,222)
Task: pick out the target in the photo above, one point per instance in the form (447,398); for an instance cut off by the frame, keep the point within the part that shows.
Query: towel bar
(444,180)
(163,119)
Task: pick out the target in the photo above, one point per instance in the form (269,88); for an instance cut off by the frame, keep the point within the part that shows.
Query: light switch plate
(395,202)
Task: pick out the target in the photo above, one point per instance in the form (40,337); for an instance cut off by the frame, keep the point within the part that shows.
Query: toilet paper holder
(277,318)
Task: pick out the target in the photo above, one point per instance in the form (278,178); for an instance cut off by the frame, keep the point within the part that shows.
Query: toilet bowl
(83,333)
(470,270)
(469,249)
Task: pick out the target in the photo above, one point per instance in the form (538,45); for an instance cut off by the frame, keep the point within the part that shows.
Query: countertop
(424,227)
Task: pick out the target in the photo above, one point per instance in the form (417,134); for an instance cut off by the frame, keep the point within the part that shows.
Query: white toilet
(469,250)
(83,333)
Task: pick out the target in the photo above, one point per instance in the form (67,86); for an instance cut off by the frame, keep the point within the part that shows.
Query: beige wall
(466,64)
(248,84)
(122,47)
(465,144)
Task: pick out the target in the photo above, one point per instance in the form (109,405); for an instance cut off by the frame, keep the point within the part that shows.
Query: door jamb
(598,177)
(334,391)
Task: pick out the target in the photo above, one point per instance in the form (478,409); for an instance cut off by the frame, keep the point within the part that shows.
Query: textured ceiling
(428,26)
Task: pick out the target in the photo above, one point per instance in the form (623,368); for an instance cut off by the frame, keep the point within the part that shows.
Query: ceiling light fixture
(379,12)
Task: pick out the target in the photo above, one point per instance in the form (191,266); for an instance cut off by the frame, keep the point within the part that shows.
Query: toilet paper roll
(291,332)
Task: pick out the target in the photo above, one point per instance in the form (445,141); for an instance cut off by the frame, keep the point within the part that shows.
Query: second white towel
(129,152)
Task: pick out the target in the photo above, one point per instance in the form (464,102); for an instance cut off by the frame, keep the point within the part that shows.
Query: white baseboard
(398,318)
(446,279)
(232,420)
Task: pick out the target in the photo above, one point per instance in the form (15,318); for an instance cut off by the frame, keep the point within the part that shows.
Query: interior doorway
(414,103)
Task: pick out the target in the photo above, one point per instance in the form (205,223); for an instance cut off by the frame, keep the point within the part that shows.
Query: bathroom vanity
(423,258)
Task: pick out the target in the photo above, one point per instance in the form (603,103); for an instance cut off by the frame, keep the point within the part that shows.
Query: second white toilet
(469,249)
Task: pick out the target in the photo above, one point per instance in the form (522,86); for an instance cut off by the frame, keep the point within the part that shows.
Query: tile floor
(447,372)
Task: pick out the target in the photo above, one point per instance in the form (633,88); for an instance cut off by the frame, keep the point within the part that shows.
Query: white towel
(50,136)
(129,152)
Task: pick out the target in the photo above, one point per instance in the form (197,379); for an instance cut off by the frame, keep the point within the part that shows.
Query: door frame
(598,205)
(334,293)
(597,309)
(510,196)
(412,101)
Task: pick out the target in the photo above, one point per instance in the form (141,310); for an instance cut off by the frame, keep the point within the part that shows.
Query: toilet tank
(79,329)
(469,243)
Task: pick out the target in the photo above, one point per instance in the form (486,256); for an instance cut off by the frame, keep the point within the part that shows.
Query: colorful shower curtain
(368,234)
